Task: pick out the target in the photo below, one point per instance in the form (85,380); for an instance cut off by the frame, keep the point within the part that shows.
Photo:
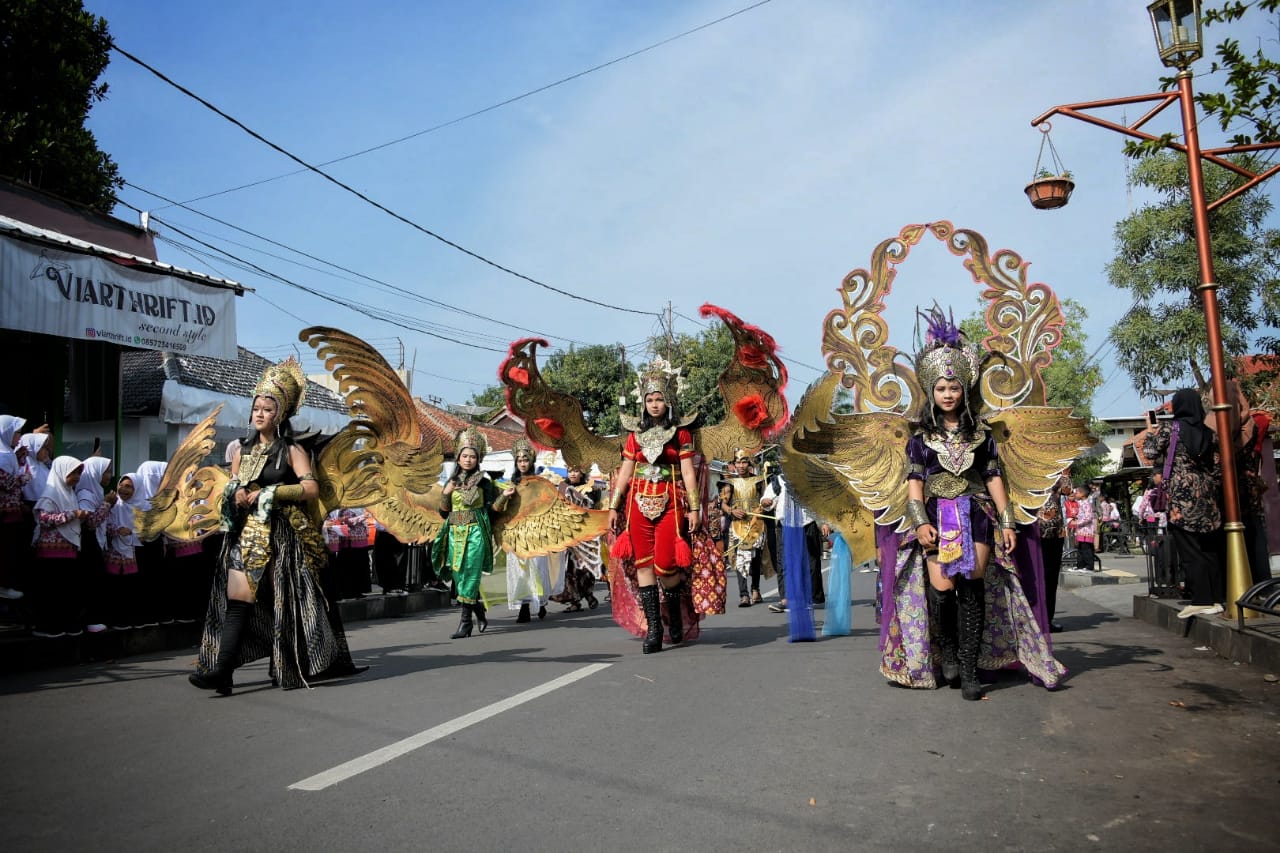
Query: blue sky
(752,164)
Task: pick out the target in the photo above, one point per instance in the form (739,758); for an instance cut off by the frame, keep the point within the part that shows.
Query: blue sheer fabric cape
(837,615)
(796,565)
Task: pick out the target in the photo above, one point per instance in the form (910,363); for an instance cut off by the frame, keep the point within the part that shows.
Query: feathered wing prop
(187,504)
(378,461)
(1036,444)
(553,420)
(538,520)
(752,386)
(843,468)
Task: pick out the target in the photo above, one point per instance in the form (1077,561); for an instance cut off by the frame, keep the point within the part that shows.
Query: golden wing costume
(852,467)
(538,520)
(188,501)
(379,460)
(862,456)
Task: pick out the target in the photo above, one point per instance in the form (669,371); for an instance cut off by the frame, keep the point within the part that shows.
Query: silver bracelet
(916,514)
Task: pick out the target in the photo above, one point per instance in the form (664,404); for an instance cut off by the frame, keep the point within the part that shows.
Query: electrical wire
(387,285)
(360,195)
(394,320)
(487,109)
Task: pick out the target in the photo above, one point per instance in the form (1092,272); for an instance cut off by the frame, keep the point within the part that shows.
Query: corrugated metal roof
(144,374)
(19,230)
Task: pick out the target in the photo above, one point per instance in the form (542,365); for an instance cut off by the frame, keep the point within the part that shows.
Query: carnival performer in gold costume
(267,599)
(746,526)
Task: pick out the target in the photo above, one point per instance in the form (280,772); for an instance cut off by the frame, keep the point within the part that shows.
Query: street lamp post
(1178,37)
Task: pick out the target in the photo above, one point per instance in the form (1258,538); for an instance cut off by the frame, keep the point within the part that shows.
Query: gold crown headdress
(659,376)
(945,355)
(739,454)
(472,438)
(285,383)
(523,448)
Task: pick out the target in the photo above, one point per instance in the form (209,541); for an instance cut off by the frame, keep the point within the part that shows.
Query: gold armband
(293,493)
(500,502)
(1007,519)
(619,497)
(916,514)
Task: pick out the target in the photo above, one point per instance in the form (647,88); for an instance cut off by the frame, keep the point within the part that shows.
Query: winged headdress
(381,460)
(851,468)
(751,385)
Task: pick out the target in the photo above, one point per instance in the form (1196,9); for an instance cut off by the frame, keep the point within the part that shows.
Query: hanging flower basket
(1048,193)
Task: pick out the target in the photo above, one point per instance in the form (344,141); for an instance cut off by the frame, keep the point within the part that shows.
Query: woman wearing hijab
(154,599)
(97,502)
(122,579)
(12,478)
(1183,451)
(59,596)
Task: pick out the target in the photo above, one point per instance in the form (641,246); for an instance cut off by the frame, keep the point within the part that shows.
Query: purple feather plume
(941,328)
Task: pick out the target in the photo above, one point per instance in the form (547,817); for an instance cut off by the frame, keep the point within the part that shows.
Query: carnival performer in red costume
(655,491)
(658,473)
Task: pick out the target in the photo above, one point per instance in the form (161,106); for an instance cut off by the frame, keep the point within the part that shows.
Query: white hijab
(34,442)
(122,516)
(59,497)
(146,483)
(90,491)
(9,425)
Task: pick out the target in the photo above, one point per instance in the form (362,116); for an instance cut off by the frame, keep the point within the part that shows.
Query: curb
(1258,644)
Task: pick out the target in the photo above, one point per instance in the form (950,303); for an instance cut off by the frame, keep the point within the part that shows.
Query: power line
(354,306)
(487,109)
(387,285)
(365,198)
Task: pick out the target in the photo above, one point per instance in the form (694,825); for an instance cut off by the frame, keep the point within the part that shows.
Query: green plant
(1046,174)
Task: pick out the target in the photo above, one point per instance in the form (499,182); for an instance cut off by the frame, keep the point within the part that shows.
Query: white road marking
(378,757)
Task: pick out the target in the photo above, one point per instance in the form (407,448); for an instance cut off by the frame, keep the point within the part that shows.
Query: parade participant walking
(266,598)
(656,495)
(746,528)
(582,567)
(464,548)
(531,581)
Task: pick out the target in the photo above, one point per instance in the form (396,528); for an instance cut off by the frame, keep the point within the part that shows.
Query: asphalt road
(560,735)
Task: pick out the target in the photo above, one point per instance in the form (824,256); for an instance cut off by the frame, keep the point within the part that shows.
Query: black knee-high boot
(971,600)
(464,625)
(233,625)
(675,616)
(482,621)
(942,616)
(652,614)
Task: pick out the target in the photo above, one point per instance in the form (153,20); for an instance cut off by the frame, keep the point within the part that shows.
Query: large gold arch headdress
(838,461)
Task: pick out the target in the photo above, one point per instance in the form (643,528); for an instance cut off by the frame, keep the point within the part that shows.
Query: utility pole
(622,379)
(671,332)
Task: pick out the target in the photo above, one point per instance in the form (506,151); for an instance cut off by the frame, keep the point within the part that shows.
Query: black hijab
(1189,411)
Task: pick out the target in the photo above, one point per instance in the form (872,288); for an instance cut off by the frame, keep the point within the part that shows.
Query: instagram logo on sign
(90,333)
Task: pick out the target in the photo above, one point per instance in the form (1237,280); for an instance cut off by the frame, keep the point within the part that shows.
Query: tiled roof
(438,424)
(144,375)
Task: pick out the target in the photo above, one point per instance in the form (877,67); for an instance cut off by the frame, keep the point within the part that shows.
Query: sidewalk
(1122,588)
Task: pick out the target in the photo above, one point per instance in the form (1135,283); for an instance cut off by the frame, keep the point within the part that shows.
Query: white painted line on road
(378,757)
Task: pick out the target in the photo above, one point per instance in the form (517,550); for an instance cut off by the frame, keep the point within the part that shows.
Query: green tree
(1162,338)
(594,375)
(54,51)
(1252,94)
(493,397)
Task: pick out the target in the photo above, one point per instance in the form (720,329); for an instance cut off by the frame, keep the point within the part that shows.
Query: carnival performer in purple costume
(955,492)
